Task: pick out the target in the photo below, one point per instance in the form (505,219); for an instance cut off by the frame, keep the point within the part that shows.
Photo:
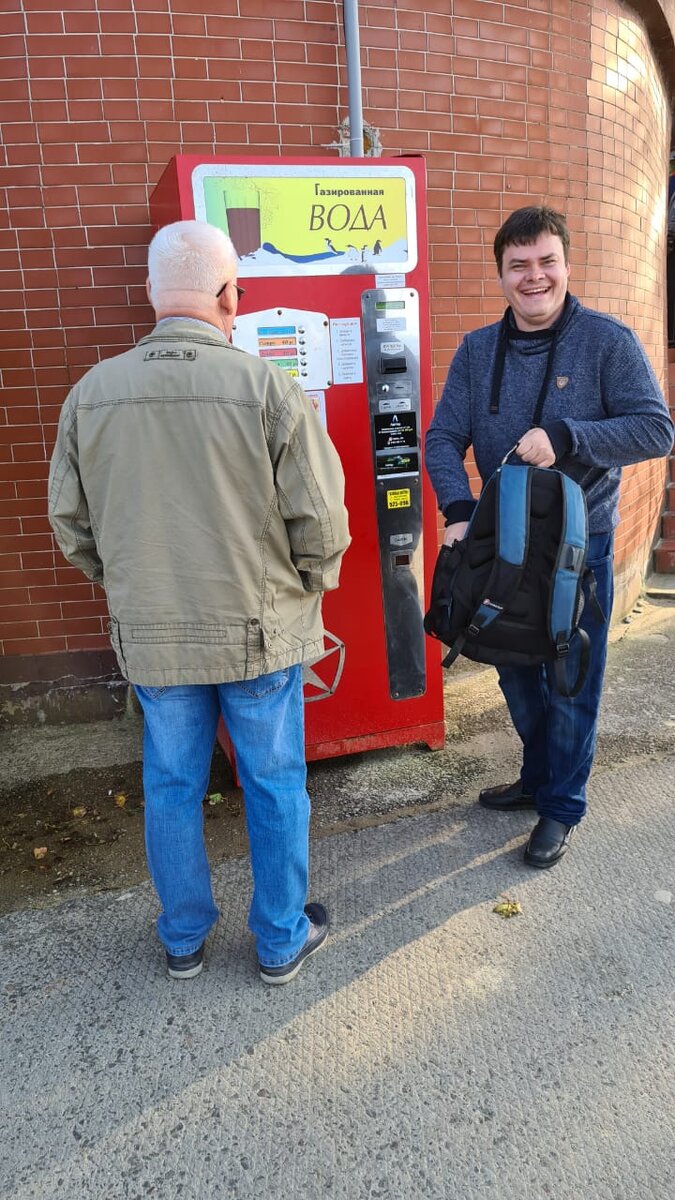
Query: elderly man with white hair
(196,484)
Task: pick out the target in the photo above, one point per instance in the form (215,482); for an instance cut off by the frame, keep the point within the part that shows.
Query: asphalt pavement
(433,1048)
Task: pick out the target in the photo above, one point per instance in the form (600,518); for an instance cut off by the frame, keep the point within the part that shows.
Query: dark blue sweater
(603,409)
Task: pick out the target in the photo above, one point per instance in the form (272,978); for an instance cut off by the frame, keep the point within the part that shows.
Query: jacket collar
(177,328)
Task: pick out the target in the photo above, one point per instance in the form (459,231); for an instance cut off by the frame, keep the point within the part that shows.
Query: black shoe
(185,966)
(548,842)
(507,797)
(318,932)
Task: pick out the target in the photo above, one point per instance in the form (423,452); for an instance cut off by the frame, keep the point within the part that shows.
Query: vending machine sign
(315,220)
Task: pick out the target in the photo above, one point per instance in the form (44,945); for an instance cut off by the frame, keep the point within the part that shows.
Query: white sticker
(392,347)
(390,324)
(345,336)
(389,281)
(318,402)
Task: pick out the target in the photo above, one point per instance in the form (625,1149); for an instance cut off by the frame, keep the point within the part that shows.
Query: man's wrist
(459,510)
(560,437)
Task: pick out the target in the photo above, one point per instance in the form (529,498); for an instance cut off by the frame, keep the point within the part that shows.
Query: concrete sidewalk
(432,1049)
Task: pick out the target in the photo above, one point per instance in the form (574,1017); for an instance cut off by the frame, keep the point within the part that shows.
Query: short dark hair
(525,225)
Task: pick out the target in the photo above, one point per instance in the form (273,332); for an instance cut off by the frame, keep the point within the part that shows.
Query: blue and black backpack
(511,592)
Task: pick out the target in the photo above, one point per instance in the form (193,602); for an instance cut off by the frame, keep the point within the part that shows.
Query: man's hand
(455,533)
(535,448)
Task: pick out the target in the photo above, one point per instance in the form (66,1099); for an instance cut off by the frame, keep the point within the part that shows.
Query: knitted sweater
(603,409)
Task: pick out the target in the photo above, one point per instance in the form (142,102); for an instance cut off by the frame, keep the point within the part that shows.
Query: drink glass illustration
(242,209)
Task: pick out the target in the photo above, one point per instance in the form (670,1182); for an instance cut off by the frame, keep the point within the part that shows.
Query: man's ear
(148,289)
(227,301)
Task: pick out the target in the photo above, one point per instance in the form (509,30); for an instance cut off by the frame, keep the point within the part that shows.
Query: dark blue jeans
(558,733)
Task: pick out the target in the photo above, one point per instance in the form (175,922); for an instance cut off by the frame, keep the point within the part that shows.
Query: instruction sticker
(391,324)
(389,281)
(345,338)
(400,498)
(395,432)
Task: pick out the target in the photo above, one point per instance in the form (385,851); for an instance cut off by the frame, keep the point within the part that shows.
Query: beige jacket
(197,485)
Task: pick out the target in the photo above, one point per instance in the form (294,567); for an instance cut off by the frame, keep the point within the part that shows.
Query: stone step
(664,556)
(668,526)
(662,586)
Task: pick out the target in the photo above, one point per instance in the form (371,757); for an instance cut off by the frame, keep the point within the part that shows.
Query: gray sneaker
(318,932)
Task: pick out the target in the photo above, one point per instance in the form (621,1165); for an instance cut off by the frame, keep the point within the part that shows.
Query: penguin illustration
(377,248)
(330,246)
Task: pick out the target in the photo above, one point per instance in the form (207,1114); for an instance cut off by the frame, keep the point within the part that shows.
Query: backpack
(511,592)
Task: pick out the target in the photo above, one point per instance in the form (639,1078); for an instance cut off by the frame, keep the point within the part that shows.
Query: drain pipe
(350,10)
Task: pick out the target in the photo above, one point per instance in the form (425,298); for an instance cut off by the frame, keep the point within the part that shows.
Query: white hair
(190,256)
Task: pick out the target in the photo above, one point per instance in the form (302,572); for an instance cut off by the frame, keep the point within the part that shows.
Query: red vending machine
(333,259)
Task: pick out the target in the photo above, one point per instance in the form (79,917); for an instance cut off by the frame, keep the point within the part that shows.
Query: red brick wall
(536,99)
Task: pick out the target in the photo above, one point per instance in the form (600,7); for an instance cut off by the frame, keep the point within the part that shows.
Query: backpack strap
(567,576)
(512,526)
(560,674)
(592,584)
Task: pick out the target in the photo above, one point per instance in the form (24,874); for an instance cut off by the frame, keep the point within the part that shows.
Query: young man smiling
(602,409)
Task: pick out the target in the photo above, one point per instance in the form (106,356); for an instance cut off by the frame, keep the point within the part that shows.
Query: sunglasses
(240,290)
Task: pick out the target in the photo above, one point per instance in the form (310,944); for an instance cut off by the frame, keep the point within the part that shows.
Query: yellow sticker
(399,499)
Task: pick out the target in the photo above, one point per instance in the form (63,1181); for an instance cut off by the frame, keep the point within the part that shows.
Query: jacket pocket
(183,632)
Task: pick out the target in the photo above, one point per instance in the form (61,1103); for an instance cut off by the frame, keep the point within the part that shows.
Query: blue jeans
(558,733)
(265,720)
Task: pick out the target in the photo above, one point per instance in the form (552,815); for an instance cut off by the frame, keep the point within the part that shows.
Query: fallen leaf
(507,908)
(120,799)
(40,851)
(216,798)
(80,811)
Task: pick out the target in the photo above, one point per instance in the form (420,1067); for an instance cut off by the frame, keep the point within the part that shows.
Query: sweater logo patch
(561,381)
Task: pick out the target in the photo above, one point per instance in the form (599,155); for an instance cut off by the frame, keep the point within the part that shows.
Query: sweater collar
(514,334)
(508,331)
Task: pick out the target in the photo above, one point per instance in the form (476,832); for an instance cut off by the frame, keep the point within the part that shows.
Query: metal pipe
(353,51)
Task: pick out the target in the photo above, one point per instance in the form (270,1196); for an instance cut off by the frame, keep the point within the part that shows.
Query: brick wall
(535,99)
